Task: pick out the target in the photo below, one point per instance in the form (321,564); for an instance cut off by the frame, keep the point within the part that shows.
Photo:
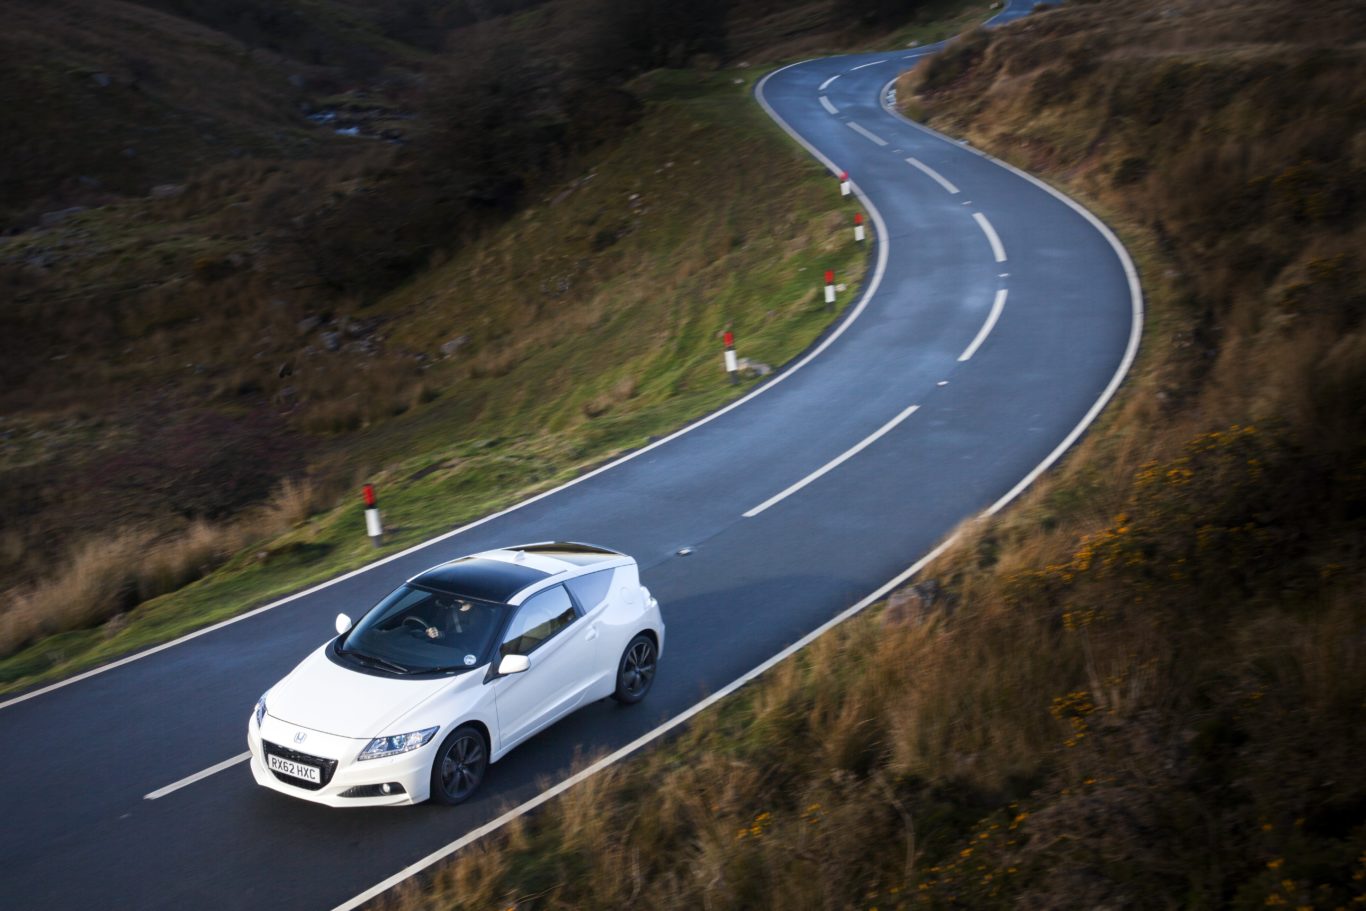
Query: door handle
(592,634)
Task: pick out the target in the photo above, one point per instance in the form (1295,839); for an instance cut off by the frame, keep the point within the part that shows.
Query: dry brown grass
(108,574)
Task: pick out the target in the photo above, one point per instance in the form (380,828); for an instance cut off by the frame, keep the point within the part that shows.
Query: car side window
(591,589)
(542,616)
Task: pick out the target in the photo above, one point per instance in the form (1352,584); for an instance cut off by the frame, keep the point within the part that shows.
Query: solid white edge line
(1135,303)
(197,776)
(825,102)
(834,463)
(826,84)
(997,250)
(865,133)
(870,287)
(996,307)
(1131,351)
(874,63)
(612,758)
(940,178)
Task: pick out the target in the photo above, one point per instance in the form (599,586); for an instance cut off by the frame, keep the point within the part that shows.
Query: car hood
(322,695)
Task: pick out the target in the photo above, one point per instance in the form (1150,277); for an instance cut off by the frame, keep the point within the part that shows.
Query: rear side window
(592,589)
(541,617)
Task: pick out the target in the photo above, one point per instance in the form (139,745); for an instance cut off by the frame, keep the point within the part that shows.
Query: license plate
(295,769)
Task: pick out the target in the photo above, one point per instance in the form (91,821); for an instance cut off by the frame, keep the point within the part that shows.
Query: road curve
(1001,319)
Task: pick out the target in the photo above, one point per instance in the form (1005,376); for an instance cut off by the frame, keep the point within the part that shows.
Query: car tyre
(459,767)
(636,670)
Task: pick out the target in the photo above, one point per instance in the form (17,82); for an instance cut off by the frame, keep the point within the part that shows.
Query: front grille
(328,766)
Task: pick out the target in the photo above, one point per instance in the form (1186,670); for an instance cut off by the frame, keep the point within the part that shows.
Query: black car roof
(480,577)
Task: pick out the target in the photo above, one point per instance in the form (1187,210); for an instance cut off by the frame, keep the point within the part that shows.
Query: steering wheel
(417,626)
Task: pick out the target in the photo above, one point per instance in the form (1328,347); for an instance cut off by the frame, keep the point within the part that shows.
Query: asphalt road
(78,760)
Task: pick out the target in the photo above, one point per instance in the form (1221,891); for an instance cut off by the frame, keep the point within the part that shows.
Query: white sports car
(454,669)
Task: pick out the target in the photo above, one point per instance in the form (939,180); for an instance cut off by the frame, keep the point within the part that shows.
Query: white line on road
(990,324)
(866,134)
(862,65)
(826,84)
(834,463)
(997,250)
(197,776)
(940,178)
(825,102)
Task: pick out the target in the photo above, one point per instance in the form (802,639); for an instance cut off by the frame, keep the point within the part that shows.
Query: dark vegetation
(1143,686)
(213,217)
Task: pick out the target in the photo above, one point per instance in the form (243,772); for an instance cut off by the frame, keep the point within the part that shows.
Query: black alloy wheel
(460,765)
(636,672)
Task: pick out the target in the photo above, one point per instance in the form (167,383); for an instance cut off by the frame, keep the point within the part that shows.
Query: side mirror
(513,664)
(343,623)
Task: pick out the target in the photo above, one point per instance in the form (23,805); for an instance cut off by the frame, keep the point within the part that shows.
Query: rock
(48,219)
(167,190)
(752,368)
(915,604)
(331,340)
(449,349)
(309,323)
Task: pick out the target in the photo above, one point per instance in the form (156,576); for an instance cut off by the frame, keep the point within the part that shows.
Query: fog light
(385,789)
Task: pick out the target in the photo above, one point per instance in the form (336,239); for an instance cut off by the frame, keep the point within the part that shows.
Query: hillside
(197,376)
(1143,685)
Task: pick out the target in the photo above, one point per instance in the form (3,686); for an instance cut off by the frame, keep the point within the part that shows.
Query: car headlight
(398,743)
(260,709)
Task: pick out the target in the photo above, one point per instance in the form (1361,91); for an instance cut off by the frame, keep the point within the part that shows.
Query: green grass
(553,383)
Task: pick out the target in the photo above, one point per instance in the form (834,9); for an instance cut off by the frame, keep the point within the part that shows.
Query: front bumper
(410,771)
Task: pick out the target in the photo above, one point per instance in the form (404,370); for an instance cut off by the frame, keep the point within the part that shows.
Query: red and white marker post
(373,528)
(858,227)
(845,189)
(829,287)
(732,365)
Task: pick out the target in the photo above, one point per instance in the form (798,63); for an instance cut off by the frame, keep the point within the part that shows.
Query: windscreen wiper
(377,661)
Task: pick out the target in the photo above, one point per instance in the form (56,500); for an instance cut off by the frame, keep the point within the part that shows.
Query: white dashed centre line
(862,65)
(825,103)
(835,462)
(997,306)
(197,776)
(826,84)
(997,250)
(939,178)
(866,134)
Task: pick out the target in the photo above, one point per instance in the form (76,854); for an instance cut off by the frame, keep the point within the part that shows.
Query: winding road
(997,320)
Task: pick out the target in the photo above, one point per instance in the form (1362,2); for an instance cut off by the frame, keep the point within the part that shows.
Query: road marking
(835,462)
(825,102)
(826,84)
(997,250)
(1135,307)
(865,133)
(990,324)
(862,65)
(869,289)
(197,776)
(940,178)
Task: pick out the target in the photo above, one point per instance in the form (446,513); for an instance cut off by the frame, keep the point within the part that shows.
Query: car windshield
(416,630)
